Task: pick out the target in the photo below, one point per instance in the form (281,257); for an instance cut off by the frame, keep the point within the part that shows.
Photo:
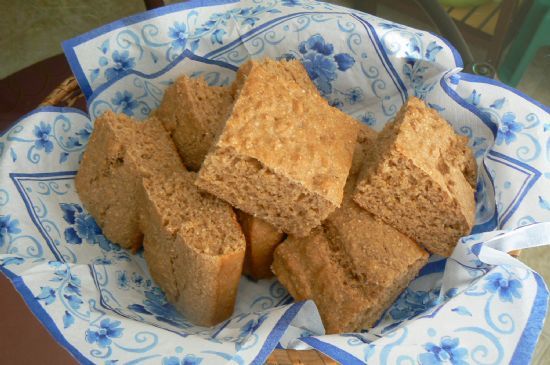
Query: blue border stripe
(492,223)
(485,80)
(433,267)
(43,316)
(332,351)
(516,162)
(69,45)
(524,189)
(276,333)
(43,109)
(528,340)
(27,201)
(185,54)
(454,95)
(379,48)
(273,22)
(457,57)
(120,313)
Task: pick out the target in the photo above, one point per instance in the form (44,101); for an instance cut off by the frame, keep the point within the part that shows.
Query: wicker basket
(66,94)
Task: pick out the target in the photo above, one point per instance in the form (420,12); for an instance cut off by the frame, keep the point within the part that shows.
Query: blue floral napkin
(481,306)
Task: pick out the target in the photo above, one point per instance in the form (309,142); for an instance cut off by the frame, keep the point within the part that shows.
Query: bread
(420,178)
(194,113)
(119,154)
(261,241)
(354,266)
(284,154)
(194,247)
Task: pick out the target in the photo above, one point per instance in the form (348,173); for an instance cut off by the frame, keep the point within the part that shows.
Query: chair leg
(448,29)
(523,47)
(507,10)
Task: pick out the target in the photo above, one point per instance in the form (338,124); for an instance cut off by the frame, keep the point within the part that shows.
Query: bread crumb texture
(353,266)
(284,154)
(420,177)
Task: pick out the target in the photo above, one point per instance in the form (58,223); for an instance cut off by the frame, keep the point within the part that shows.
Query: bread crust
(420,184)
(284,153)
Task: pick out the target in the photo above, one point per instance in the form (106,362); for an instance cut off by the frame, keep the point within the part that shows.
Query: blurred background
(503,39)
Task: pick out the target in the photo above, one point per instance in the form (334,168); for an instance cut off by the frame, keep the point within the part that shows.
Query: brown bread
(194,247)
(419,179)
(354,266)
(195,113)
(284,154)
(261,240)
(120,153)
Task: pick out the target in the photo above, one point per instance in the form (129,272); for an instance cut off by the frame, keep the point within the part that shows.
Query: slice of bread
(120,153)
(284,154)
(261,241)
(193,246)
(420,179)
(354,266)
(194,113)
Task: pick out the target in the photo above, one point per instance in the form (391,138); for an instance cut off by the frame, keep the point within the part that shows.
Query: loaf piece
(119,154)
(284,154)
(354,266)
(194,113)
(261,240)
(193,246)
(420,179)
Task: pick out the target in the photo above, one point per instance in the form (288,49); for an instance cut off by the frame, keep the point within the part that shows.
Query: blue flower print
(291,2)
(354,95)
(454,79)
(157,305)
(83,227)
(368,119)
(320,63)
(251,326)
(104,334)
(43,132)
(416,65)
(337,103)
(507,288)
(7,226)
(122,280)
(47,294)
(85,132)
(412,303)
(125,100)
(474,98)
(322,70)
(186,360)
(137,279)
(122,63)
(508,129)
(179,35)
(73,142)
(447,352)
(286,57)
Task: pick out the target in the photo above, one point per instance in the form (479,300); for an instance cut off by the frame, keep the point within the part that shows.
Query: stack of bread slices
(264,177)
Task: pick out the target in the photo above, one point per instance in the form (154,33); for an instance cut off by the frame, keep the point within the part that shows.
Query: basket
(67,94)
